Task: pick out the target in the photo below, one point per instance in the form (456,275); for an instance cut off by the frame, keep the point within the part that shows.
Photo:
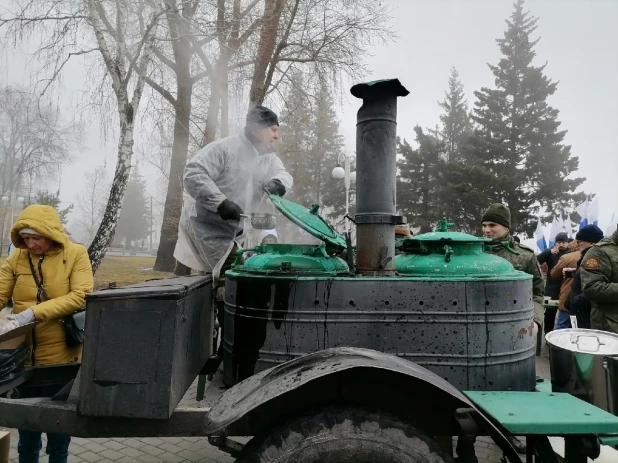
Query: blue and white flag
(569,226)
(555,229)
(582,210)
(539,237)
(613,223)
(593,211)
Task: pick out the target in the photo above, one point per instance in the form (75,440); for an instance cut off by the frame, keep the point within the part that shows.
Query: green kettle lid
(310,221)
(442,233)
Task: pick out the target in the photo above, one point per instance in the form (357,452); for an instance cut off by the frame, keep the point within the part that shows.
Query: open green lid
(310,221)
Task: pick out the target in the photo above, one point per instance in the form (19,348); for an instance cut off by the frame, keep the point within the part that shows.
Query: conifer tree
(48,198)
(456,125)
(418,182)
(134,221)
(310,146)
(518,142)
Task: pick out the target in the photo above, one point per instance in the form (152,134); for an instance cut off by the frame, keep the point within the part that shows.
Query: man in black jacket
(552,285)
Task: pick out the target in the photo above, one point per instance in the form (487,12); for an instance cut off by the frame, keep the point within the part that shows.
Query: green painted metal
(544,386)
(544,413)
(447,255)
(609,439)
(296,259)
(310,221)
(369,280)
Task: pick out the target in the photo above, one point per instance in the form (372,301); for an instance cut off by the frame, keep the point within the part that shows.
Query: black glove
(275,187)
(229,210)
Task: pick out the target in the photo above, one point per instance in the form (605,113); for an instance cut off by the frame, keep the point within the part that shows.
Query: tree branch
(59,69)
(160,90)
(145,38)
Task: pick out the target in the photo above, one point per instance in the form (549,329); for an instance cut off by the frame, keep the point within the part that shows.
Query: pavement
(197,449)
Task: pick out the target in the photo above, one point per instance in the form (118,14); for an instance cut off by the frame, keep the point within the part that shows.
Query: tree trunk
(266,48)
(212,118)
(173,201)
(107,229)
(225,102)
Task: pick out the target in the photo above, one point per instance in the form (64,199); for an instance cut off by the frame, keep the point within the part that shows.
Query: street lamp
(339,173)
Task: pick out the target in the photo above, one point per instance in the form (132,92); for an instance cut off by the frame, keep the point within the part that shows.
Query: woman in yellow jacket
(64,270)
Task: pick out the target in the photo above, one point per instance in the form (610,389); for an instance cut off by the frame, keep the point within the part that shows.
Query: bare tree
(33,138)
(185,52)
(92,202)
(125,50)
(262,47)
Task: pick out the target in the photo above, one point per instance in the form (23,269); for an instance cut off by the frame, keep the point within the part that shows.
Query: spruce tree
(310,146)
(456,125)
(134,221)
(518,142)
(418,182)
(48,198)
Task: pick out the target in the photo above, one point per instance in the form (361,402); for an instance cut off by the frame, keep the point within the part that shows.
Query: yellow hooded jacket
(67,278)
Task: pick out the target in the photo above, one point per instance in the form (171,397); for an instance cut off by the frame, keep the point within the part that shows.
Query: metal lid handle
(598,343)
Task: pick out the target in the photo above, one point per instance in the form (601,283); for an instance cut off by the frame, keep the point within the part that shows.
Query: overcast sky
(579,40)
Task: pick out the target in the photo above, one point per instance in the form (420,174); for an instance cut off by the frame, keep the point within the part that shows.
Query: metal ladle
(261,221)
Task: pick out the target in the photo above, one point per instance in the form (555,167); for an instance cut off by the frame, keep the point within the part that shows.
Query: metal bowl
(263,221)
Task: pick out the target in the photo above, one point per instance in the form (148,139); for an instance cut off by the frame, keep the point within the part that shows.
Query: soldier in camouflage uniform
(599,275)
(496,223)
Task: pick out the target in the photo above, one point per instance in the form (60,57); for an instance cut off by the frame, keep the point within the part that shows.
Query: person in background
(268,236)
(565,269)
(599,275)
(496,223)
(550,257)
(64,275)
(401,233)
(578,303)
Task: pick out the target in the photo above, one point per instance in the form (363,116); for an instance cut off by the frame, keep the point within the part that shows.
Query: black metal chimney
(376,172)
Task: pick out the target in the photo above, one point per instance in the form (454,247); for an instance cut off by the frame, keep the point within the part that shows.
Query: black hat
(261,116)
(590,233)
(562,237)
(498,213)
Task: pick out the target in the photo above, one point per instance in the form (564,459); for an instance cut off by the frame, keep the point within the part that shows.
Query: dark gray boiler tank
(464,314)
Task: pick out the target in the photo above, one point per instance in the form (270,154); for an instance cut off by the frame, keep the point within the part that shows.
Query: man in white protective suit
(225,179)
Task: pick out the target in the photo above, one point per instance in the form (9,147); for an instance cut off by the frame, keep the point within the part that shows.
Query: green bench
(540,414)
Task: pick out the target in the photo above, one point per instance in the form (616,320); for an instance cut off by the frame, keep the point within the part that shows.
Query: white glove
(22,318)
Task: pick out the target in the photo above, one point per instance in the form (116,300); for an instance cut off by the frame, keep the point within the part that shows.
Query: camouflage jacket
(599,274)
(525,261)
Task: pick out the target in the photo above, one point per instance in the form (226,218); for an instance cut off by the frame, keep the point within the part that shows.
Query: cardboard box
(13,339)
(5,445)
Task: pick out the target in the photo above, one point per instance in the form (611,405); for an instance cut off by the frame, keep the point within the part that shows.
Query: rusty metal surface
(375,250)
(376,170)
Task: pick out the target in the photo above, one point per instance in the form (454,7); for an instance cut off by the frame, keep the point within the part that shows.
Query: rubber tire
(344,435)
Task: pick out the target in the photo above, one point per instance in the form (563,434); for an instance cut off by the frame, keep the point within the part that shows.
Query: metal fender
(256,403)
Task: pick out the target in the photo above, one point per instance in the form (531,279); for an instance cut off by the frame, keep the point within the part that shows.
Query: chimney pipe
(376,172)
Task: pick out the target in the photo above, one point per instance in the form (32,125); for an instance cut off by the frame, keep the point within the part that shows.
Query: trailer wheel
(344,435)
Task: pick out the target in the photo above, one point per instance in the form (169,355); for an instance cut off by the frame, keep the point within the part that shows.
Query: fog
(579,41)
